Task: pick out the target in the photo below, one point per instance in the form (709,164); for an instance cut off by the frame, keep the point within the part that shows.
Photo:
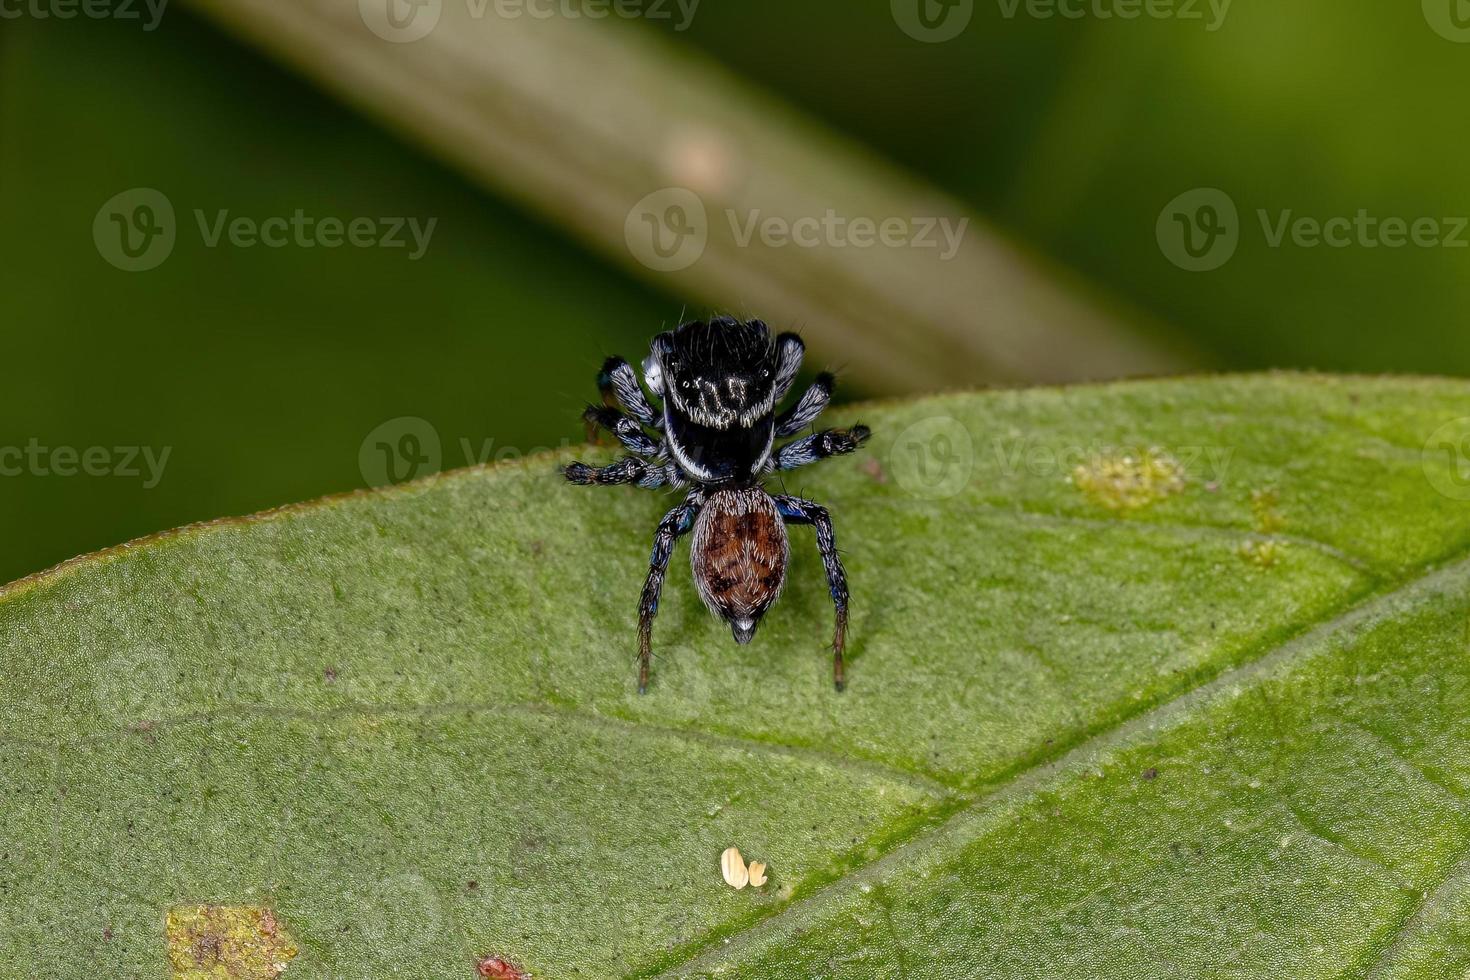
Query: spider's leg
(798,511)
(818,446)
(628,431)
(675,523)
(629,469)
(807,408)
(620,387)
(789,351)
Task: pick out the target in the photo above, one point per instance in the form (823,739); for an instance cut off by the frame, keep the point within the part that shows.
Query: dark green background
(265,369)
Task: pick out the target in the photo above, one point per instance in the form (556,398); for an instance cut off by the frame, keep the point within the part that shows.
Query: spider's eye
(765,372)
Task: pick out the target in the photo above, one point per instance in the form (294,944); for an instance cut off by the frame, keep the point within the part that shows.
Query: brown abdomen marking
(738,554)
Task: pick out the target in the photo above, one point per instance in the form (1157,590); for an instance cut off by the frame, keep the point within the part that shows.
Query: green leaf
(1219,732)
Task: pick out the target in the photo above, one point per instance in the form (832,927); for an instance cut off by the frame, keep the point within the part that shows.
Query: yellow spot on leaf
(1266,510)
(226,942)
(1262,552)
(1130,481)
(1262,548)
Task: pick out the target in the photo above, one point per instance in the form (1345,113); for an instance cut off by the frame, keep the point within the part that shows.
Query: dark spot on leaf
(1150,774)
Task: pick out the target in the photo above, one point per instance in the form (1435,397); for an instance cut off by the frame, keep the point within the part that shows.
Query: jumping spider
(719,383)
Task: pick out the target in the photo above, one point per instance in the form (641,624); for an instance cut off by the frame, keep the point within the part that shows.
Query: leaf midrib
(980,814)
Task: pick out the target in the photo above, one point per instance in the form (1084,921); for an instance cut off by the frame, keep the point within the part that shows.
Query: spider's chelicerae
(719,383)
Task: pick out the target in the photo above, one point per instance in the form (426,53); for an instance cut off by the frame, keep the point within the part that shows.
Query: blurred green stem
(582,121)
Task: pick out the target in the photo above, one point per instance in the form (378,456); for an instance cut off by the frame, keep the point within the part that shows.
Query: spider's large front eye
(653,375)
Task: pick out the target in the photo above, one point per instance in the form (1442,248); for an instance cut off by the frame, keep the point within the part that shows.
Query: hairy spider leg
(675,523)
(812,403)
(795,510)
(819,446)
(629,469)
(627,430)
(789,352)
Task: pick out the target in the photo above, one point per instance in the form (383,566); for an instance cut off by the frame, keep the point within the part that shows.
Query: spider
(719,383)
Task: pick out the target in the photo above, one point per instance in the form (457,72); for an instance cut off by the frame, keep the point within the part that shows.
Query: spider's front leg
(798,511)
(819,446)
(675,523)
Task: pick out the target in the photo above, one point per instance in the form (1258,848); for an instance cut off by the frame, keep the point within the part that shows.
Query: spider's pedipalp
(619,386)
(811,404)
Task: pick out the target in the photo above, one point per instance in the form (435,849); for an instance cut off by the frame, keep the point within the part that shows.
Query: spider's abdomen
(738,557)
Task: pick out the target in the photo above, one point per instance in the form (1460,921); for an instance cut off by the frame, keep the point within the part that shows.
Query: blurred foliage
(1074,134)
(264,369)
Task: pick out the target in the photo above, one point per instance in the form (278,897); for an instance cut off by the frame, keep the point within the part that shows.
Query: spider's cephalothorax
(719,383)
